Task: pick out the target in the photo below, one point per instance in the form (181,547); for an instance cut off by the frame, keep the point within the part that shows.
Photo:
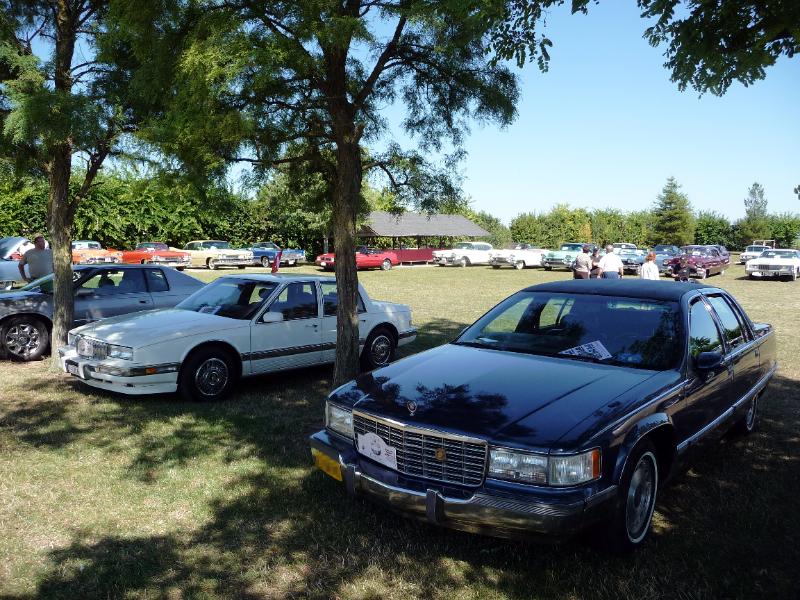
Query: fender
(635,434)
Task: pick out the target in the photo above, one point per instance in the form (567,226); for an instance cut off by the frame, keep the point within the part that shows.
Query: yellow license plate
(326,464)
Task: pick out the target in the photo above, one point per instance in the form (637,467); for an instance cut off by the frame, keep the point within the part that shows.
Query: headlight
(555,470)
(121,352)
(72,338)
(575,468)
(339,420)
(518,466)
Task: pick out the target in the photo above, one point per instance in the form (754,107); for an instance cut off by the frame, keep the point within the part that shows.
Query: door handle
(314,325)
(142,301)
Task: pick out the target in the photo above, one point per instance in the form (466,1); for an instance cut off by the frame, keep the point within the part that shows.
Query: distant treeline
(126,208)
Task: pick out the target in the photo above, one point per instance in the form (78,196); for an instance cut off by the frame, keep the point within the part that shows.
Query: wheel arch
(658,430)
(40,316)
(385,325)
(226,347)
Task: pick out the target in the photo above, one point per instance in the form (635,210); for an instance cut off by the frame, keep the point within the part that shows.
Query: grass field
(109,496)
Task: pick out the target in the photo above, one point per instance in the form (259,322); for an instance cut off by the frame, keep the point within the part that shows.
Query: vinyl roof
(630,288)
(409,224)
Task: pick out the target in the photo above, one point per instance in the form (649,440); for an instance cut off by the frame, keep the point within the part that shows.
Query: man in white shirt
(39,260)
(610,265)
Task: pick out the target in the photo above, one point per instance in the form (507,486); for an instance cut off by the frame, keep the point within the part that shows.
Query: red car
(366,258)
(156,253)
(698,262)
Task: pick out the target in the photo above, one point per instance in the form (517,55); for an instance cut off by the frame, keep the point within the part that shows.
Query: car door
(330,302)
(110,292)
(296,339)
(742,353)
(706,390)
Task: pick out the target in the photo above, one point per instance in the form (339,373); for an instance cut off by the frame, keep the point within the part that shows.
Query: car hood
(562,253)
(488,394)
(772,261)
(150,327)
(13,302)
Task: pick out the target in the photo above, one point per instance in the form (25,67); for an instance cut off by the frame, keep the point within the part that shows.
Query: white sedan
(775,263)
(237,326)
(521,256)
(464,254)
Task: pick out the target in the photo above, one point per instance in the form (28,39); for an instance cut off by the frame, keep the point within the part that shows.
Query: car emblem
(441,455)
(412,407)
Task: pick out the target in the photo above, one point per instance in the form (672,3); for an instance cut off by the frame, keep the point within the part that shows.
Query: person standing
(649,269)
(594,272)
(39,260)
(583,264)
(610,265)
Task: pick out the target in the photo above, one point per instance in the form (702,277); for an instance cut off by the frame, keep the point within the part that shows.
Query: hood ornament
(412,407)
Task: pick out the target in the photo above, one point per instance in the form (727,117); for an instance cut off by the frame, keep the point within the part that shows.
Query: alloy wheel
(22,340)
(211,377)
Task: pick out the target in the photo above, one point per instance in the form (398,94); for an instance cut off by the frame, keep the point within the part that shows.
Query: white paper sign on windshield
(372,446)
(594,349)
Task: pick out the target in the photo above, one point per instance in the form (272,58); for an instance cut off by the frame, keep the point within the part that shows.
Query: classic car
(89,252)
(632,260)
(563,257)
(775,263)
(156,253)
(564,407)
(626,246)
(752,251)
(464,254)
(664,253)
(723,252)
(11,251)
(235,327)
(264,254)
(519,257)
(366,258)
(214,254)
(697,262)
(26,315)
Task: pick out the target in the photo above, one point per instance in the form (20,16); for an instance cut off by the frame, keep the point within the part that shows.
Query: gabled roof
(385,224)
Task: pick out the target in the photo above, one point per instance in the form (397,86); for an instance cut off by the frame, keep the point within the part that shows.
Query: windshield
(695,251)
(572,247)
(45,284)
(232,298)
(610,330)
(152,246)
(778,254)
(755,249)
(8,245)
(86,246)
(266,245)
(217,245)
(463,246)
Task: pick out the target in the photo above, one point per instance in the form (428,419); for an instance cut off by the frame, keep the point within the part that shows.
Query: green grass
(109,496)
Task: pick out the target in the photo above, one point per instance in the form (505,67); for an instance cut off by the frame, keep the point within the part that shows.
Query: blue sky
(605,127)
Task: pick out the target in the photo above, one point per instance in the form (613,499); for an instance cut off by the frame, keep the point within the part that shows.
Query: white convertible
(235,327)
(464,254)
(775,263)
(521,256)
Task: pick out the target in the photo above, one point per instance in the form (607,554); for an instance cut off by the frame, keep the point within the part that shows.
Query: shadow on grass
(727,527)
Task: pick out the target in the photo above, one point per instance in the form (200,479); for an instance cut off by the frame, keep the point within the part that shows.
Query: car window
(330,299)
(297,301)
(232,298)
(703,333)
(637,333)
(115,281)
(156,280)
(735,324)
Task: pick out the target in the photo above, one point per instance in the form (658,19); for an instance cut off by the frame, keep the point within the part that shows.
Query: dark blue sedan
(565,406)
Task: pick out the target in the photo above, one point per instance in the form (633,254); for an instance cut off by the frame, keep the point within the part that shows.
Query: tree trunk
(347,191)
(59,223)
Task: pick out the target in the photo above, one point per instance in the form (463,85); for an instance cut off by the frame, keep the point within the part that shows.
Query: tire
(180,268)
(519,265)
(463,262)
(241,266)
(378,349)
(211,264)
(638,488)
(24,338)
(748,423)
(440,264)
(794,275)
(386,264)
(208,375)
(722,272)
(495,266)
(548,268)
(705,274)
(265,262)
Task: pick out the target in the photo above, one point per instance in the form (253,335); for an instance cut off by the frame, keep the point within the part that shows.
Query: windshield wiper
(476,344)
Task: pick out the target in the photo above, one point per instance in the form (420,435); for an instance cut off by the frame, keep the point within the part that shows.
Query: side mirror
(272,317)
(706,361)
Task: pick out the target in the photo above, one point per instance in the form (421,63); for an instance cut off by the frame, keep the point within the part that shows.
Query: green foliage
(500,235)
(713,228)
(673,219)
(784,228)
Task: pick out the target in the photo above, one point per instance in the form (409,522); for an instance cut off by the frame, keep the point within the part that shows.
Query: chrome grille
(89,348)
(768,267)
(464,461)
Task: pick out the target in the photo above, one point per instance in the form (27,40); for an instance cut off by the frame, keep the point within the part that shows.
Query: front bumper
(170,263)
(496,512)
(557,263)
(631,268)
(233,262)
(768,273)
(119,375)
(445,260)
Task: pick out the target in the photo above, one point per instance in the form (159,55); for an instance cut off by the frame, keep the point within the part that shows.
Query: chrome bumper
(477,511)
